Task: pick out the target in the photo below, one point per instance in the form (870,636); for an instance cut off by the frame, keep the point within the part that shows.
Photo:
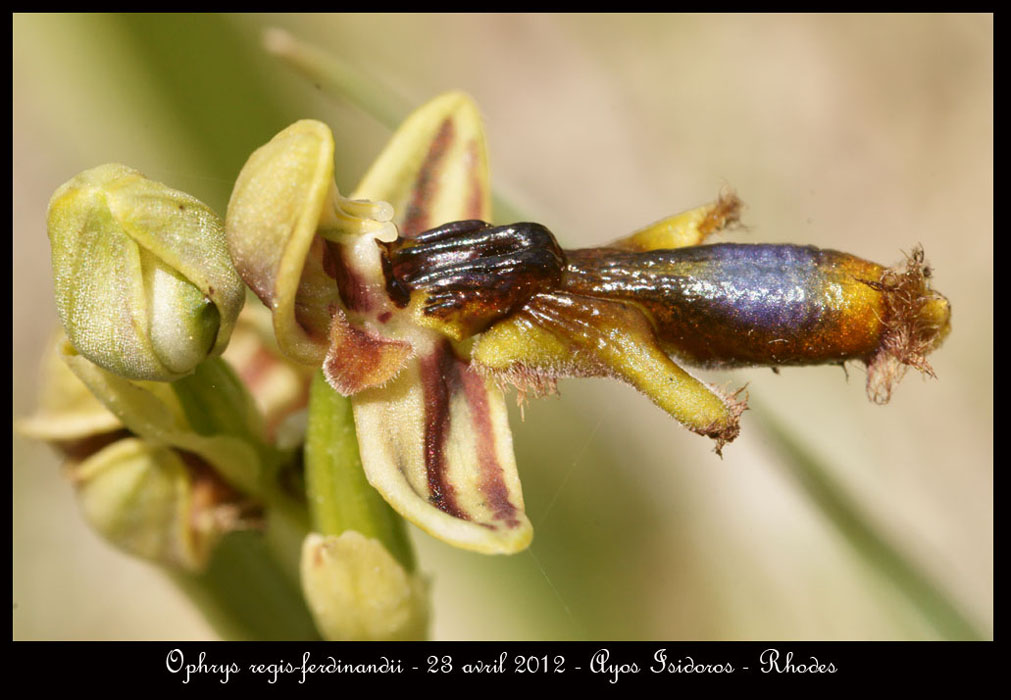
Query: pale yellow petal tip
(484,538)
(688,228)
(357,591)
(512,540)
(451,104)
(67,409)
(435,167)
(436,444)
(453,101)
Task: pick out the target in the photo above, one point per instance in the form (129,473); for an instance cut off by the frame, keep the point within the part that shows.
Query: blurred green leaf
(816,481)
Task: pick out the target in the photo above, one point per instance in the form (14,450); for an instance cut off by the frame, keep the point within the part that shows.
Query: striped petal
(435,441)
(435,168)
(436,444)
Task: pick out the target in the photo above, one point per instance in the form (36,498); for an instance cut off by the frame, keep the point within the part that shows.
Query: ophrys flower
(417,309)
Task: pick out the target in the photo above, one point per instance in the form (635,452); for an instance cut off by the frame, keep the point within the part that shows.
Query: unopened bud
(150,502)
(356,590)
(144,284)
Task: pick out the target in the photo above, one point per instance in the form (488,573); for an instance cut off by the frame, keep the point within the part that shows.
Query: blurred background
(868,134)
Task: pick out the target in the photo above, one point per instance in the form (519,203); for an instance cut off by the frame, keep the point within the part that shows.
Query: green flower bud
(150,502)
(357,591)
(148,480)
(144,284)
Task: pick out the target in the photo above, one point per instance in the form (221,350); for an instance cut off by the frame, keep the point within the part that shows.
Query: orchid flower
(420,311)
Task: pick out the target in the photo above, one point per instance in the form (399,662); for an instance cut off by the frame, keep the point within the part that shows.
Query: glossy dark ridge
(471,272)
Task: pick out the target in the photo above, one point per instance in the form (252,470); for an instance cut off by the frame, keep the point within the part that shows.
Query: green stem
(252,577)
(856,528)
(340,497)
(216,402)
(337,77)
(245,595)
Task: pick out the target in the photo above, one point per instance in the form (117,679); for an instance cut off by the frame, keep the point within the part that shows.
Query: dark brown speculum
(469,274)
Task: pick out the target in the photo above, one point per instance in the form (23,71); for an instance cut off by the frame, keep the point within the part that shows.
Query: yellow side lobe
(688,228)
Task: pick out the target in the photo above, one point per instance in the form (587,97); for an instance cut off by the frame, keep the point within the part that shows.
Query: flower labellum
(144,284)
(631,314)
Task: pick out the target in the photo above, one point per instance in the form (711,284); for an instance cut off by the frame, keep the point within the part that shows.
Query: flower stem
(245,595)
(216,402)
(251,587)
